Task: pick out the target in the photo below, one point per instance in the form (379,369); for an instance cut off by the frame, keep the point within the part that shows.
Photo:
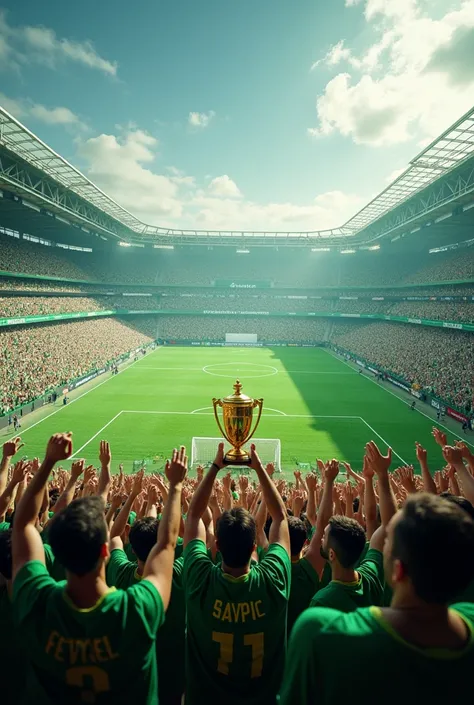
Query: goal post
(203,450)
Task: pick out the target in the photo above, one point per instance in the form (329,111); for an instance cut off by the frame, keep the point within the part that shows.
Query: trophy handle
(259,403)
(215,404)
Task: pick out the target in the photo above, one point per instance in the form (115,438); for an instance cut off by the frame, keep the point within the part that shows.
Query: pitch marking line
(433,421)
(383,440)
(96,434)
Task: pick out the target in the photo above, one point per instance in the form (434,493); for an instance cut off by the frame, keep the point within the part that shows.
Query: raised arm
(105,479)
(77,468)
(279,531)
(429,484)
(195,528)
(18,476)
(159,566)
(369,500)
(311,482)
(329,472)
(454,457)
(10,449)
(118,527)
(380,465)
(27,544)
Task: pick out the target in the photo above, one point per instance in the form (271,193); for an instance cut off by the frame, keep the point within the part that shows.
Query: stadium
(237,462)
(390,294)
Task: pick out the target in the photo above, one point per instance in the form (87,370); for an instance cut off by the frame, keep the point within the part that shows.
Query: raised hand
(152,495)
(219,459)
(367,471)
(138,483)
(297,474)
(421,453)
(59,447)
(177,467)
(298,503)
(270,468)
(331,470)
(227,481)
(465,451)
(105,456)
(378,462)
(453,455)
(440,437)
(255,462)
(406,477)
(311,482)
(11,448)
(20,471)
(200,472)
(77,468)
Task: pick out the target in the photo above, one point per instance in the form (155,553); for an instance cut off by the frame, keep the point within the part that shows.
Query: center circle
(241,370)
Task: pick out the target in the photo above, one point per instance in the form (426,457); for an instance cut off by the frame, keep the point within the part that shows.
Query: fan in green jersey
(123,573)
(419,646)
(236,611)
(85,641)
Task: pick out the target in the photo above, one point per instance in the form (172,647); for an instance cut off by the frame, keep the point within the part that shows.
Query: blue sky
(257,114)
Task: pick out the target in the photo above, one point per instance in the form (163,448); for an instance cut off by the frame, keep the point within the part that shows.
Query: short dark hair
(433,530)
(298,535)
(78,533)
(6,554)
(236,534)
(142,536)
(346,537)
(460,501)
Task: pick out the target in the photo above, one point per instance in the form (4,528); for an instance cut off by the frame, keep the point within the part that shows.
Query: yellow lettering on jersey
(84,651)
(238,612)
(217,609)
(245,610)
(51,640)
(108,648)
(227,616)
(59,646)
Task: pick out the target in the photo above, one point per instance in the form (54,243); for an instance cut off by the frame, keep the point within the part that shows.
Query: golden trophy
(237,413)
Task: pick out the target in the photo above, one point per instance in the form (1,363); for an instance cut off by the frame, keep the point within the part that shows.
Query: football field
(317,406)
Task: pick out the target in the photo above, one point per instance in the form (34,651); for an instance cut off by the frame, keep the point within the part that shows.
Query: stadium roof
(451,149)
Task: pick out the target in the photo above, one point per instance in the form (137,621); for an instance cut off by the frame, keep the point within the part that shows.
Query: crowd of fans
(148,588)
(39,358)
(203,266)
(19,306)
(214,328)
(436,359)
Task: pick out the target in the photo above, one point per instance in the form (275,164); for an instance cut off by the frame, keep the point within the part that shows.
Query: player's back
(104,654)
(236,629)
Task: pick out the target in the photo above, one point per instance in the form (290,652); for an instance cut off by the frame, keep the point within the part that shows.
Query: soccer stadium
(183,314)
(237,464)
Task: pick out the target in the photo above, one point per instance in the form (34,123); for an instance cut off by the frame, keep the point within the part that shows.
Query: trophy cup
(237,412)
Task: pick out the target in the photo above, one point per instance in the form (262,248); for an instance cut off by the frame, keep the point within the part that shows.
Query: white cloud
(23,44)
(411,83)
(200,119)
(336,54)
(224,186)
(54,116)
(22,108)
(117,165)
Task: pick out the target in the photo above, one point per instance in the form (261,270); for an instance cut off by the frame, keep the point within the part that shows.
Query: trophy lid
(237,397)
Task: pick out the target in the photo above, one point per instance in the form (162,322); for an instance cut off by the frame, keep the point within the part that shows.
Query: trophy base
(237,456)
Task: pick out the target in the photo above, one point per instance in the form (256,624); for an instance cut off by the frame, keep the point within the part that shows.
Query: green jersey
(170,638)
(304,584)
(10,652)
(236,628)
(103,655)
(323,639)
(53,566)
(5,526)
(365,591)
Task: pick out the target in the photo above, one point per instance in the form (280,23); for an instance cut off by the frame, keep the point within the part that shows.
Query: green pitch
(314,403)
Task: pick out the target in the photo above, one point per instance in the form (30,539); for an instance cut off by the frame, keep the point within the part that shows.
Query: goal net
(203,450)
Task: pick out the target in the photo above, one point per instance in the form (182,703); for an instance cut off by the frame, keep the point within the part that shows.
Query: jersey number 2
(226,655)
